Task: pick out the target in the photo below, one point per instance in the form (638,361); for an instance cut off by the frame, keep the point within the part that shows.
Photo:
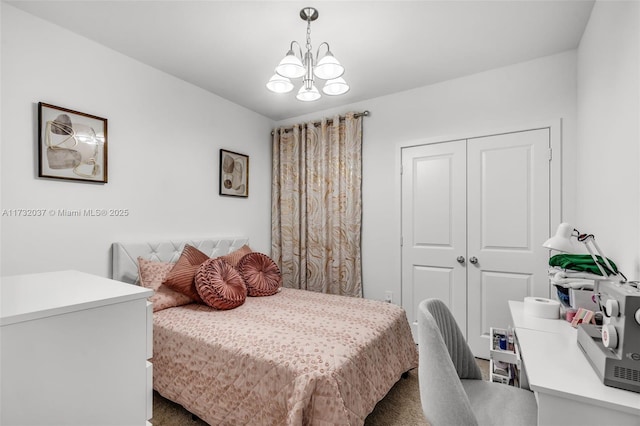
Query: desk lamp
(562,242)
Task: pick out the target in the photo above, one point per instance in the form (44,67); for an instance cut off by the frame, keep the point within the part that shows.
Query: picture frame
(72,145)
(234,174)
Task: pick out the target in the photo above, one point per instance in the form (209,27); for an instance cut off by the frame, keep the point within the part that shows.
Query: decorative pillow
(182,276)
(260,273)
(234,257)
(151,276)
(220,285)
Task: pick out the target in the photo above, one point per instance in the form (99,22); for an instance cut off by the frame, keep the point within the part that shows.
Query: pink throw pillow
(182,276)
(234,257)
(151,275)
(220,285)
(260,274)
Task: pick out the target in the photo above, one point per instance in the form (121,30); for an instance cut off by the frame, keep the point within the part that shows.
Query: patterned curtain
(316,207)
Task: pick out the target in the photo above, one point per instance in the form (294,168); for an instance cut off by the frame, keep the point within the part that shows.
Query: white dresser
(74,351)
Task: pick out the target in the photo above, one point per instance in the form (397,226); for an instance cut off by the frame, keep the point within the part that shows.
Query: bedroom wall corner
(164,137)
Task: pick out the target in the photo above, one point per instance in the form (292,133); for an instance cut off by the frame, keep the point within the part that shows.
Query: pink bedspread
(295,358)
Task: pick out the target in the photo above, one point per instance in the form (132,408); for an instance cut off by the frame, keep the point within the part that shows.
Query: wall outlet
(388,296)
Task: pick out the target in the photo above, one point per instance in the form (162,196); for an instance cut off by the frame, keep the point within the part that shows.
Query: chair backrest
(443,398)
(461,355)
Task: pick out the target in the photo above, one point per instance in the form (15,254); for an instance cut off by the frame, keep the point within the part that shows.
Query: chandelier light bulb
(290,66)
(328,67)
(308,95)
(279,84)
(336,86)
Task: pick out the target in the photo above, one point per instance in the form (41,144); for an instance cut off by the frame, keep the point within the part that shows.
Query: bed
(292,358)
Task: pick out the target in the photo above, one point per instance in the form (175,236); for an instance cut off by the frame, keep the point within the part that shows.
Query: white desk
(568,390)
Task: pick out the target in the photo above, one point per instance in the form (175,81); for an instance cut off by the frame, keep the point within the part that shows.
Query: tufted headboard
(125,255)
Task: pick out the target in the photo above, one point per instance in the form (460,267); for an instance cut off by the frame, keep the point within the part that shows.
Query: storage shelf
(504,364)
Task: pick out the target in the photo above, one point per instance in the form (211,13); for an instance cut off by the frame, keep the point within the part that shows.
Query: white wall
(608,195)
(522,94)
(166,174)
(164,139)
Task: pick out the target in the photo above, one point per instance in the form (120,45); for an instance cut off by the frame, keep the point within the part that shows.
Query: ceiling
(230,48)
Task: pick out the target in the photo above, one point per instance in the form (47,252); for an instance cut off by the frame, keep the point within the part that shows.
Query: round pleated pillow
(260,274)
(220,285)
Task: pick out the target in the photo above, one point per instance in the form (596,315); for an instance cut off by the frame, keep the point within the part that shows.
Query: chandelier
(306,66)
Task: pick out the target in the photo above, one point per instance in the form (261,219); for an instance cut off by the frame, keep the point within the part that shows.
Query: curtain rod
(364,113)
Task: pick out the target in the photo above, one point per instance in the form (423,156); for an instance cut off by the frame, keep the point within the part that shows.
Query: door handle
(473,260)
(460,259)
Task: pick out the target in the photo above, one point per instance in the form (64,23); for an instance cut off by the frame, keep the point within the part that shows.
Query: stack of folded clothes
(576,271)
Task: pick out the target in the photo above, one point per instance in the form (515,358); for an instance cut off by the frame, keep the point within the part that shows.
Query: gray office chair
(452,391)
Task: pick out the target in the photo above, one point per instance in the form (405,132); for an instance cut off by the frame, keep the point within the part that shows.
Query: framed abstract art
(71,144)
(234,174)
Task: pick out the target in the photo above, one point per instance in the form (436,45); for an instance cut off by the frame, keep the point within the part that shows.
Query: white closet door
(434,228)
(508,220)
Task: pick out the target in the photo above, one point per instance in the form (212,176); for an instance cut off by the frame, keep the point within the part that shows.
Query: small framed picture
(234,174)
(71,145)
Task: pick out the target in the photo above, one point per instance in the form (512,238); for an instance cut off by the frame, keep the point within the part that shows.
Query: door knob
(460,259)
(473,260)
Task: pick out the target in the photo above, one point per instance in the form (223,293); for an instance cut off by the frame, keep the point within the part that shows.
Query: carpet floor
(400,407)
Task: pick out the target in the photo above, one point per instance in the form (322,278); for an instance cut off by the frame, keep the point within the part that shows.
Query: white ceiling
(230,48)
